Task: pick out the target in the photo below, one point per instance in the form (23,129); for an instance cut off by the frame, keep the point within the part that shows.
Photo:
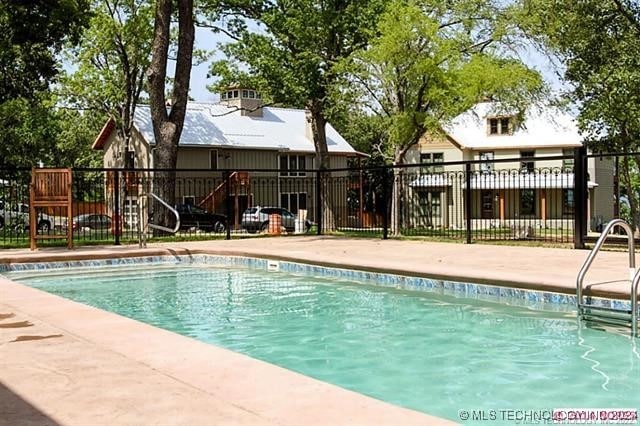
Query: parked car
(196,217)
(91,221)
(256,219)
(17,216)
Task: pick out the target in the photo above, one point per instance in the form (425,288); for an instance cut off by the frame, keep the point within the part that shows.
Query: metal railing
(466,201)
(605,314)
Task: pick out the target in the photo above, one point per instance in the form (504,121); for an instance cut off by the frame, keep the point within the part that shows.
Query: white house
(503,193)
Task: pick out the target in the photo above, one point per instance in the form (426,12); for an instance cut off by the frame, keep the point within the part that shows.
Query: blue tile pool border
(536,299)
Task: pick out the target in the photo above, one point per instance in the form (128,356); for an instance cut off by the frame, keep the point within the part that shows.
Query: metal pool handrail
(142,241)
(605,233)
(634,304)
(174,211)
(634,276)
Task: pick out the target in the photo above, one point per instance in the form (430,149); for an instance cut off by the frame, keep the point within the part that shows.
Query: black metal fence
(545,199)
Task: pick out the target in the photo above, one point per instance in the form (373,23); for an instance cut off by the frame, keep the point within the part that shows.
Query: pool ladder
(587,311)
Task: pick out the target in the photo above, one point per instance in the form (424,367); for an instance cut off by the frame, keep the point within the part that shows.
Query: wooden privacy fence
(49,188)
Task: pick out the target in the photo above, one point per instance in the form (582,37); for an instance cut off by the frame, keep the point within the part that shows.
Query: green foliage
(294,58)
(31,34)
(296,55)
(599,43)
(26,134)
(111,60)
(434,60)
(34,131)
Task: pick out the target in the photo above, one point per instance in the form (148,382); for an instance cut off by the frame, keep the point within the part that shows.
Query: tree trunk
(318,122)
(168,120)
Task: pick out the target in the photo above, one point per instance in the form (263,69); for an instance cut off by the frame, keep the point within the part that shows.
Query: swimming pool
(431,352)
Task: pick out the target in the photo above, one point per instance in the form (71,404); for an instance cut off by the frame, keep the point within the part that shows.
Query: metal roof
(503,180)
(543,126)
(220,126)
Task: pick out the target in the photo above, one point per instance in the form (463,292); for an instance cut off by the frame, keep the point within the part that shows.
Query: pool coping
(207,384)
(503,279)
(525,297)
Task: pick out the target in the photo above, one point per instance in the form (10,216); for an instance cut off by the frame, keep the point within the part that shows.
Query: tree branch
(629,15)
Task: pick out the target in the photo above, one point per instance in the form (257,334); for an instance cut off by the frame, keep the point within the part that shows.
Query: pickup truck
(17,216)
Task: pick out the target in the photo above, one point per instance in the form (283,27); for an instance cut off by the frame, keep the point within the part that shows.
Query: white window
(223,96)
(430,203)
(567,164)
(293,201)
(130,212)
(245,94)
(290,163)
(488,166)
(213,159)
(499,126)
(432,157)
(527,165)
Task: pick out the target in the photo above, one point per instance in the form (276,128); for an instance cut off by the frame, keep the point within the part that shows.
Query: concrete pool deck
(65,363)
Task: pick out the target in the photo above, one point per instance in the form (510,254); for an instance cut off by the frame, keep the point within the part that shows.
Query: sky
(207,40)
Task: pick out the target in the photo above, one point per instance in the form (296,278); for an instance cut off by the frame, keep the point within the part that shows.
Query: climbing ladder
(587,311)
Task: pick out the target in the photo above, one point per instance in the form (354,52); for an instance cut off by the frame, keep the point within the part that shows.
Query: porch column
(445,208)
(502,209)
(543,205)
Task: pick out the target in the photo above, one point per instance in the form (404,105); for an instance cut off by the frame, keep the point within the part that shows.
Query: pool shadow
(14,410)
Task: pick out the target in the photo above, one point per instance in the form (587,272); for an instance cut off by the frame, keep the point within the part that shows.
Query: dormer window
(500,125)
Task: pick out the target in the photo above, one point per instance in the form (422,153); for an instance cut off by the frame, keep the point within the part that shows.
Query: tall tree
(32,32)
(432,61)
(111,61)
(296,60)
(598,42)
(168,117)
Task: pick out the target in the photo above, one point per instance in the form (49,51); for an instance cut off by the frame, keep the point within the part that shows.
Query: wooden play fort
(50,188)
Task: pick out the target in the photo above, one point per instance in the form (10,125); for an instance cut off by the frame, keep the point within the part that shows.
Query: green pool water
(432,353)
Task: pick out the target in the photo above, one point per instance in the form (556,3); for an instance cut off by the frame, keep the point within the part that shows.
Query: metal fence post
(116,209)
(385,196)
(228,208)
(319,201)
(581,198)
(468,210)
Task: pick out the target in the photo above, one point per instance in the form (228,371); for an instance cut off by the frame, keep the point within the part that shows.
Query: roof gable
(104,134)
